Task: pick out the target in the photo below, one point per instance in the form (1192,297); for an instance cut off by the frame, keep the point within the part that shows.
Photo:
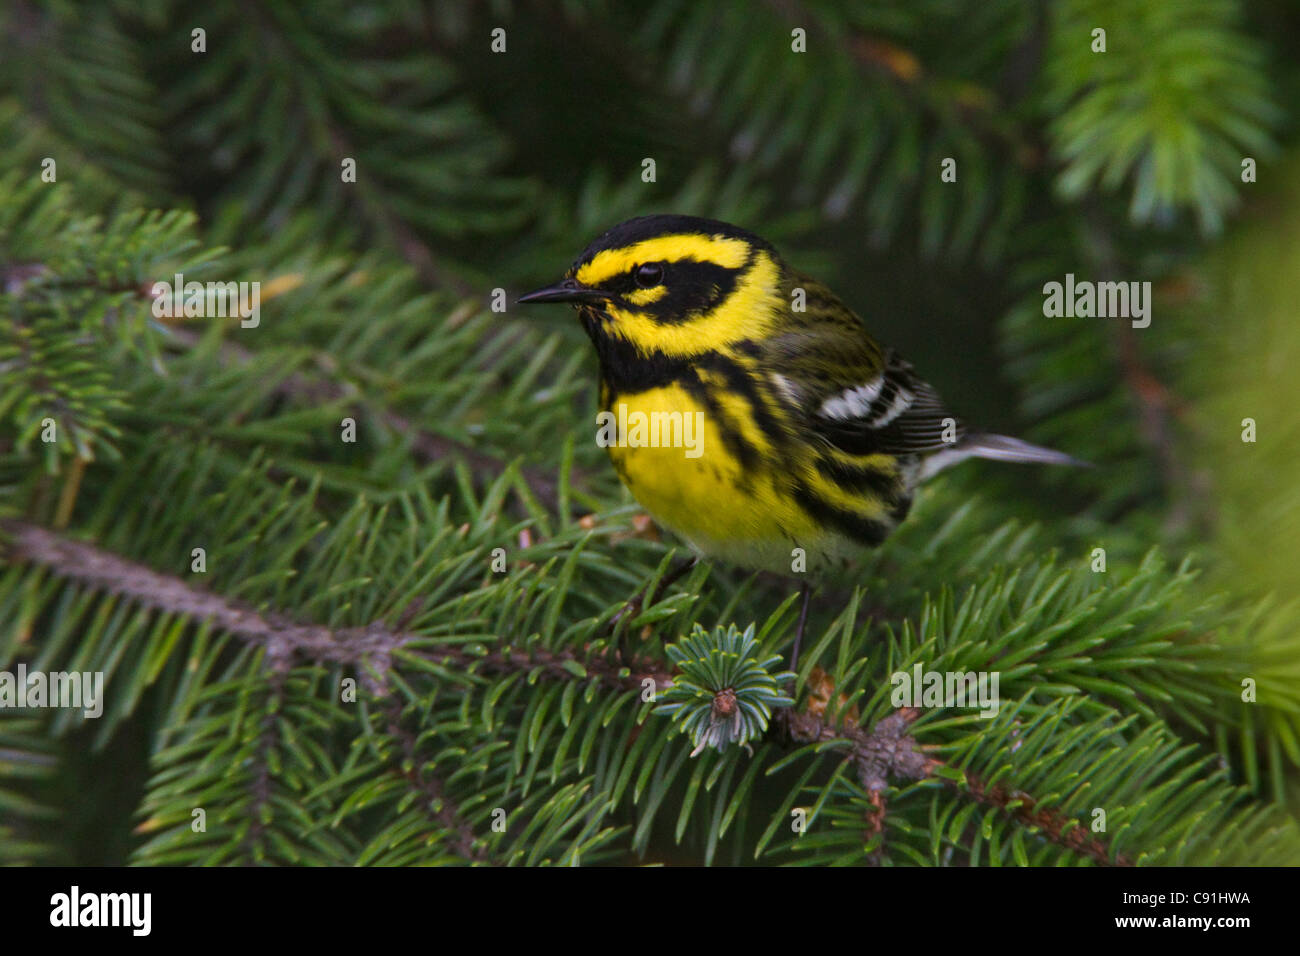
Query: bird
(748,409)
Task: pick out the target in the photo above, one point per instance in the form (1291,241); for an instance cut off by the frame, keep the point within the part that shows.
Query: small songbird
(747,408)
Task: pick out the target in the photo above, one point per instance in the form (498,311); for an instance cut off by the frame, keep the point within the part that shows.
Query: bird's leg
(803,619)
(633,607)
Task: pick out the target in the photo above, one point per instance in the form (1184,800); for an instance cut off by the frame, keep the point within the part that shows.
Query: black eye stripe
(692,288)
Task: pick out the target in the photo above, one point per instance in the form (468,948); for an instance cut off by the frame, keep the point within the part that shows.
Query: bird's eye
(650,275)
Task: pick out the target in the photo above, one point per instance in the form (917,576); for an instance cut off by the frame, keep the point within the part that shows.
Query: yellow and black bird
(809,438)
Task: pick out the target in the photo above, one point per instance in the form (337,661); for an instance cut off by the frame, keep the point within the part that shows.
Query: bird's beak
(567,290)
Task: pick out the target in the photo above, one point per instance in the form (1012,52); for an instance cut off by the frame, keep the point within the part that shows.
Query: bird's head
(673,285)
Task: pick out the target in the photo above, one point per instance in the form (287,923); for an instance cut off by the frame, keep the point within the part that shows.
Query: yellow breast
(674,455)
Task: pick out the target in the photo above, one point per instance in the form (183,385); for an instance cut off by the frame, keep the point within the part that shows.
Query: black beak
(567,290)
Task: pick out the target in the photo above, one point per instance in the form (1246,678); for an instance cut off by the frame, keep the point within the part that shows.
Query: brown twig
(880,754)
(440,806)
(261,769)
(886,752)
(1057,827)
(365,647)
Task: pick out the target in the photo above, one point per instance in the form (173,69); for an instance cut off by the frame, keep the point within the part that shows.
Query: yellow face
(674,286)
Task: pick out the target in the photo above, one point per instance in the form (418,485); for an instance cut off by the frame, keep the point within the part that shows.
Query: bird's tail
(998,448)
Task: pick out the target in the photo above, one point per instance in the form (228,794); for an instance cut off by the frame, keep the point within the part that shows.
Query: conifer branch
(372,645)
(366,649)
(879,754)
(886,752)
(409,245)
(880,58)
(440,806)
(1156,404)
(430,446)
(261,771)
(1060,829)
(332,141)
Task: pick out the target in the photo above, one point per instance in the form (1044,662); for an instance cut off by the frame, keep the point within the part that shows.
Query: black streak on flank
(740,381)
(864,530)
(883,483)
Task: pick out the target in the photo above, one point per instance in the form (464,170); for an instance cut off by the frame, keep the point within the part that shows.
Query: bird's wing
(888,409)
(892,411)
(849,391)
